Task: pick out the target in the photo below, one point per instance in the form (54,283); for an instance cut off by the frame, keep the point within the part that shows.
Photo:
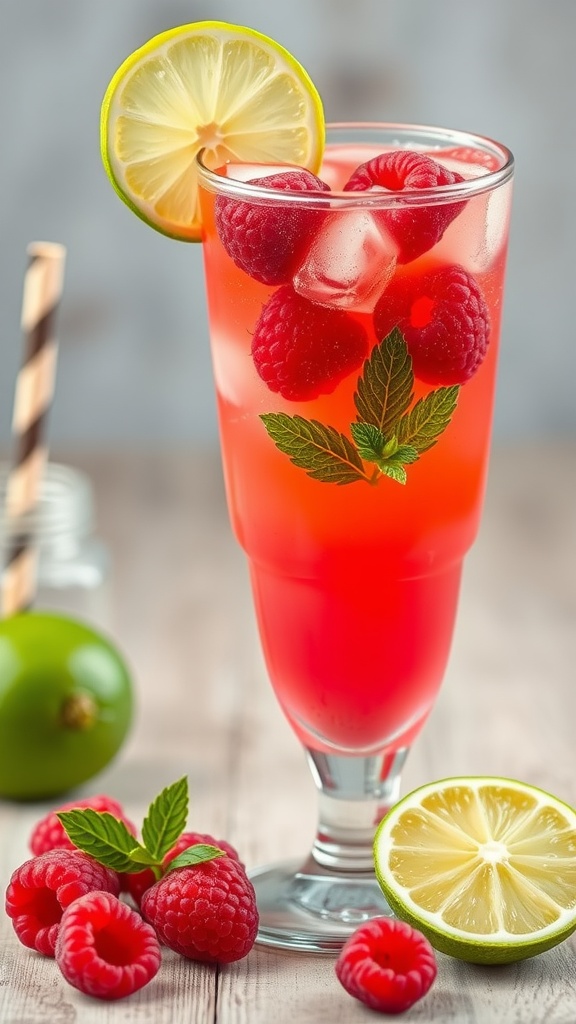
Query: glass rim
(380,199)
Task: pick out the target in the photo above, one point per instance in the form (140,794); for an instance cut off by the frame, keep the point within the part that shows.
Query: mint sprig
(388,433)
(109,841)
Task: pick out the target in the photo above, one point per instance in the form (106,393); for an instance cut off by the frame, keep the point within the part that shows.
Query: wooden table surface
(183,617)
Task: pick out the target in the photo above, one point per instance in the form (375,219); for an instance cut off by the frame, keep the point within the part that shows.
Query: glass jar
(73,574)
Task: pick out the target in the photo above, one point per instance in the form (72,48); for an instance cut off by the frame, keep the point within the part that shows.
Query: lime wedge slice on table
(484,867)
(223,88)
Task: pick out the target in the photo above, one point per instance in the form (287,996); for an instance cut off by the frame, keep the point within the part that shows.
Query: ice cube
(476,236)
(349,263)
(497,218)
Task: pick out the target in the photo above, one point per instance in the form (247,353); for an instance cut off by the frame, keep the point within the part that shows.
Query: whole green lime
(66,704)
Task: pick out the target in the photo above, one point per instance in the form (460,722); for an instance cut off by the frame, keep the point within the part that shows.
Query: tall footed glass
(354,337)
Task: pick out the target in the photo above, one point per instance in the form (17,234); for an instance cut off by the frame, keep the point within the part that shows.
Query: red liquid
(356,587)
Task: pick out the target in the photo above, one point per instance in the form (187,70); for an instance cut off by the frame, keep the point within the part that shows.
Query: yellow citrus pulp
(224,89)
(484,867)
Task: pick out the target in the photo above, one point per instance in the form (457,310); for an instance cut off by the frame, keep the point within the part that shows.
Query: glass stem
(354,794)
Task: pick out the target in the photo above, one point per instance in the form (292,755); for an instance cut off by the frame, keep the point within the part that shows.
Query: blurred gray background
(134,366)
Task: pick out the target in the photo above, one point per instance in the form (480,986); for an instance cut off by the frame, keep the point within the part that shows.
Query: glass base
(310,908)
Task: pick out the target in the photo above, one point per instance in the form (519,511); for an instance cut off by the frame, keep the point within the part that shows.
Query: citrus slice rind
(224,89)
(484,867)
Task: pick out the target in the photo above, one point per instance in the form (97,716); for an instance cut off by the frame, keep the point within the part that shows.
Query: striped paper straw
(32,401)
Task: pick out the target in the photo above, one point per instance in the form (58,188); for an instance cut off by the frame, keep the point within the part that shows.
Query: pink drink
(356,585)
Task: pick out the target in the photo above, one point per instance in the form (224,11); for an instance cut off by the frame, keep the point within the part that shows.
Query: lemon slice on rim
(484,867)
(223,88)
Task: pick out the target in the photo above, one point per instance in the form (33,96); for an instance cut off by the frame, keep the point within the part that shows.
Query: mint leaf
(197,854)
(405,453)
(140,857)
(369,441)
(324,452)
(390,448)
(166,819)
(102,836)
(394,470)
(422,426)
(384,391)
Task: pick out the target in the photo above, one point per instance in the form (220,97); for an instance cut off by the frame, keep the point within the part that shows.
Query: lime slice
(223,88)
(484,867)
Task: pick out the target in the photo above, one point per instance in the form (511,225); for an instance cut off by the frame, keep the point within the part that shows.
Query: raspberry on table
(268,241)
(138,882)
(41,888)
(104,948)
(204,912)
(301,349)
(444,319)
(387,965)
(415,229)
(49,833)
